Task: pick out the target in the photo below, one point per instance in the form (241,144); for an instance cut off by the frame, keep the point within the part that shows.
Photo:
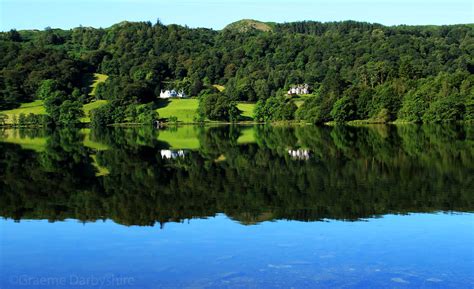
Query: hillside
(354,70)
(246,25)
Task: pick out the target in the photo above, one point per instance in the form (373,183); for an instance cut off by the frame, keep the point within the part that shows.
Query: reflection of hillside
(185,137)
(247,218)
(352,173)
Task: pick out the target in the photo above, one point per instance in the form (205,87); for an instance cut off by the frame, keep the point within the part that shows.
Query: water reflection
(252,174)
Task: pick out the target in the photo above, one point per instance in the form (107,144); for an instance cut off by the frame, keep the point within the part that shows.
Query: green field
(35,107)
(184,109)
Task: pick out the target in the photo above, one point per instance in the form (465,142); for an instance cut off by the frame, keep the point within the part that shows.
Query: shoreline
(353,123)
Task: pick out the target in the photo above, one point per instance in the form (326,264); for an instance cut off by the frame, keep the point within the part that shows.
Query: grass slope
(98,78)
(35,107)
(184,109)
(247,109)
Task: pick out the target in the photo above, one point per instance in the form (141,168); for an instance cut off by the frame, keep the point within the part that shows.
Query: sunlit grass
(98,78)
(90,106)
(247,109)
(219,87)
(35,107)
(184,109)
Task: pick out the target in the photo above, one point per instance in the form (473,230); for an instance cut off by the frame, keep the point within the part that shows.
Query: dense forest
(350,173)
(355,70)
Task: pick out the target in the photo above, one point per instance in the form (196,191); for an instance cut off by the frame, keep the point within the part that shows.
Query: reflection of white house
(169,154)
(300,154)
(299,89)
(172,93)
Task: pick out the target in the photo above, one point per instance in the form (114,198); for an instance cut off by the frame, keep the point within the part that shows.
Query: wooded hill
(356,71)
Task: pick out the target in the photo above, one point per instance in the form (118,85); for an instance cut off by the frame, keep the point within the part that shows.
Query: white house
(172,93)
(299,89)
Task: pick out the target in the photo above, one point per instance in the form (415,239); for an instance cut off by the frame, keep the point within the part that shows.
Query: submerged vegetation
(355,71)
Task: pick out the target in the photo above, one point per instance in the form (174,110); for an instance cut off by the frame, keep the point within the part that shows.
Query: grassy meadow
(184,109)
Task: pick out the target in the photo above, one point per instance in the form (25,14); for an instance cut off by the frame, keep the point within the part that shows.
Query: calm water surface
(238,207)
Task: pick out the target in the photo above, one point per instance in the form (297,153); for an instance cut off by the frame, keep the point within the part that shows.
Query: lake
(238,207)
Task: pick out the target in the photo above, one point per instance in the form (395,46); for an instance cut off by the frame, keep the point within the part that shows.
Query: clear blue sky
(38,14)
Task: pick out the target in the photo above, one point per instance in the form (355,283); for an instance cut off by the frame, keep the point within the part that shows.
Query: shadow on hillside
(245,118)
(160,103)
(87,80)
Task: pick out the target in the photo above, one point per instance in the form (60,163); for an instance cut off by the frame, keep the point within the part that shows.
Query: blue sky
(38,14)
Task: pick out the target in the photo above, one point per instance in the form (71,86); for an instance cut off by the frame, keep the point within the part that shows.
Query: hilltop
(246,25)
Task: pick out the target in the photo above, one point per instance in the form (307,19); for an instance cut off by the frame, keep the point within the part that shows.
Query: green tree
(46,88)
(344,109)
(70,113)
(218,107)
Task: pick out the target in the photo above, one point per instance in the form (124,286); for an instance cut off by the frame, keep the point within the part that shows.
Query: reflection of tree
(352,173)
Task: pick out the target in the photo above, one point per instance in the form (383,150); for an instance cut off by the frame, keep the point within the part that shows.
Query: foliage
(143,113)
(344,109)
(218,107)
(274,109)
(312,111)
(398,70)
(70,113)
(110,113)
(446,109)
